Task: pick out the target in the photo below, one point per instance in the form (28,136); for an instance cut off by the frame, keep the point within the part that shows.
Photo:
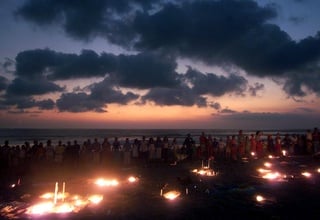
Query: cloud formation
(229,32)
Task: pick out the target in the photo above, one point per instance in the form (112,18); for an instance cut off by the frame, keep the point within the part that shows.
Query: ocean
(19,136)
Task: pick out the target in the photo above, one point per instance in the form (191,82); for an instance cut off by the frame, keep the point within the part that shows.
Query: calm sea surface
(19,136)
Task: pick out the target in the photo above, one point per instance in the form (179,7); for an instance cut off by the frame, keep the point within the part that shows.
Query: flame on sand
(59,203)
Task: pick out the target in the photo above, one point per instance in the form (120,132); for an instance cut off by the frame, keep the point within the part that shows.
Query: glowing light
(102,182)
(284,153)
(306,174)
(132,179)
(41,208)
(171,195)
(96,199)
(205,171)
(261,170)
(318,170)
(253,154)
(271,176)
(267,164)
(260,198)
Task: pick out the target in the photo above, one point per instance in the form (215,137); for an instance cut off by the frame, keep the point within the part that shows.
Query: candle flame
(171,195)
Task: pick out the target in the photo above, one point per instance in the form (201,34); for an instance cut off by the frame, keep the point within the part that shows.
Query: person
(221,148)
(127,148)
(277,146)
(96,149)
(253,144)
(228,148)
(152,149)
(234,148)
(49,152)
(106,154)
(59,152)
(309,141)
(158,148)
(315,140)
(209,148)
(188,146)
(259,144)
(75,150)
(116,147)
(202,145)
(143,150)
(241,146)
(270,144)
(135,150)
(165,148)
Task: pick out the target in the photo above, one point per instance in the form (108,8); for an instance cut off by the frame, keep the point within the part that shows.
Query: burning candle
(63,190)
(55,193)
(260,198)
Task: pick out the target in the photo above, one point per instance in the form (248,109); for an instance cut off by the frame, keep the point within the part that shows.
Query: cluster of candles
(205,170)
(62,202)
(271,174)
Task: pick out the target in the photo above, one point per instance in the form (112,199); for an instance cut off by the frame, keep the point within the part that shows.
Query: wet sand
(230,194)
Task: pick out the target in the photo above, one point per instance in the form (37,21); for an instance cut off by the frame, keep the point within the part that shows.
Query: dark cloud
(215,105)
(105,92)
(3,83)
(174,96)
(232,32)
(145,71)
(215,85)
(227,111)
(54,65)
(34,63)
(100,95)
(87,18)
(24,102)
(45,104)
(78,102)
(142,71)
(27,87)
(253,90)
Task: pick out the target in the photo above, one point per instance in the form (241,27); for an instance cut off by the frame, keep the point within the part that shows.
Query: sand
(229,194)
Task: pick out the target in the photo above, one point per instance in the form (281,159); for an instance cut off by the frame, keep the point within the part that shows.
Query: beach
(208,176)
(230,193)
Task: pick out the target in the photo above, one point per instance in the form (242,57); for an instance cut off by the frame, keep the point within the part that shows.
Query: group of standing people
(258,145)
(145,150)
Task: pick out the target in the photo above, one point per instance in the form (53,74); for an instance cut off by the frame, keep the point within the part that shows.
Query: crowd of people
(141,152)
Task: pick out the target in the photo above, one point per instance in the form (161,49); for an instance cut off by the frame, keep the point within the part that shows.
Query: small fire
(96,199)
(284,153)
(171,195)
(271,175)
(59,203)
(267,164)
(306,174)
(260,198)
(262,170)
(102,182)
(132,179)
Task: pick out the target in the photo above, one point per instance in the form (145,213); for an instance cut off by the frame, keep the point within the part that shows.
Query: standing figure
(127,148)
(188,146)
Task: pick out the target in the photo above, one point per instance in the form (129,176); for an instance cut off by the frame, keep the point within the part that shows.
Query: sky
(206,64)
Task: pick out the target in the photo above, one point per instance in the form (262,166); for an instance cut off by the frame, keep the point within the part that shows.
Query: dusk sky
(249,64)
